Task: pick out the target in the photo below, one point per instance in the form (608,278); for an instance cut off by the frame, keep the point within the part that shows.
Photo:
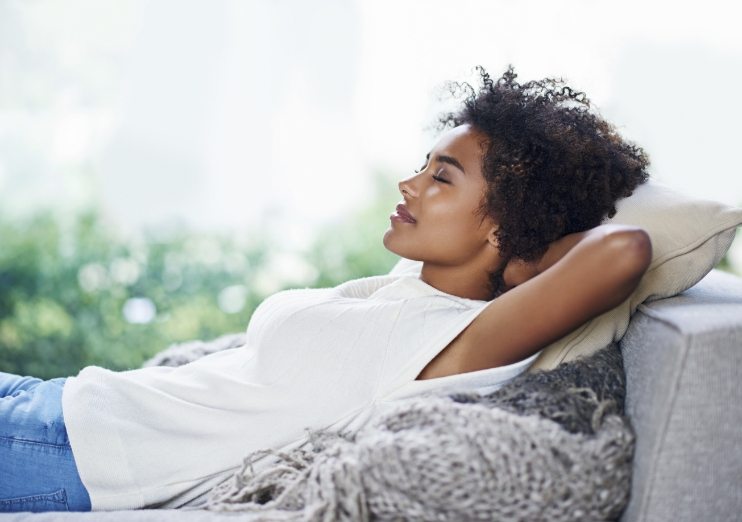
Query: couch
(683,363)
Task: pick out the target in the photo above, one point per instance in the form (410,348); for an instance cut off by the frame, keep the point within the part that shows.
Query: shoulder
(364,286)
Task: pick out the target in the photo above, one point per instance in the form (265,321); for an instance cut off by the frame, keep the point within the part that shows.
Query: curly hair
(552,167)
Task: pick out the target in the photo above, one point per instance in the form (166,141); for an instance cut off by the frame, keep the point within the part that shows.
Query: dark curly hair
(552,166)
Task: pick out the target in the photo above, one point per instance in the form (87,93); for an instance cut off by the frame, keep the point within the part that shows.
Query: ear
(492,239)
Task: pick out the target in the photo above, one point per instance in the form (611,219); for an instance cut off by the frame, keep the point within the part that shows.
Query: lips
(404,213)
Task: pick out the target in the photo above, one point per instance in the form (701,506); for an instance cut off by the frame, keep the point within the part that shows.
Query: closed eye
(436,178)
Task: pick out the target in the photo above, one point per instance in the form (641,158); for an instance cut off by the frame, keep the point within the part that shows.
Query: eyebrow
(447,159)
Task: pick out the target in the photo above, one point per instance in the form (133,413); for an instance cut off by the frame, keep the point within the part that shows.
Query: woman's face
(442,199)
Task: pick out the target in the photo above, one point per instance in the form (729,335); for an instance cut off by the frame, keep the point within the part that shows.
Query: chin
(386,241)
(388,244)
(400,250)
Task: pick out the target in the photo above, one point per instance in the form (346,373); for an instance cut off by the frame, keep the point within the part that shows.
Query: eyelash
(437,178)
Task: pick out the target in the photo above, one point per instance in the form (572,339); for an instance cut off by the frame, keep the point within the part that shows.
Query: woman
(504,217)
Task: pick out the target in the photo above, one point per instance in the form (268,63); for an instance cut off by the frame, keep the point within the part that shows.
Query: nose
(407,188)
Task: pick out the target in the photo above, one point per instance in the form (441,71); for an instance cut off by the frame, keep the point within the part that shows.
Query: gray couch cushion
(683,363)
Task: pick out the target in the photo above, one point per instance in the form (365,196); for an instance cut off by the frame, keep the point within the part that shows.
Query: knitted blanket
(550,445)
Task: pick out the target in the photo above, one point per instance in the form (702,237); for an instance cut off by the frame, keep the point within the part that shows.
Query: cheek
(459,232)
(455,229)
(458,219)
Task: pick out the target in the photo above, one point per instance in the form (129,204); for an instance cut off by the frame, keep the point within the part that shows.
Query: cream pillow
(689,237)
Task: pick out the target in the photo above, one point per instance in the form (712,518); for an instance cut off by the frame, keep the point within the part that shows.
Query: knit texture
(550,445)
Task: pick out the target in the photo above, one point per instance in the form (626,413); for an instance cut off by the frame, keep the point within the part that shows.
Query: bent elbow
(633,249)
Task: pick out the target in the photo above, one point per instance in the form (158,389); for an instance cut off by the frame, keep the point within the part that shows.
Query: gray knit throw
(550,445)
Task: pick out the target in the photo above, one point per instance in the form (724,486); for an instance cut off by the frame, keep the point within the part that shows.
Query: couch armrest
(683,362)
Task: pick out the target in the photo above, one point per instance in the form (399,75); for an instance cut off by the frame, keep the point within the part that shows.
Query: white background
(229,114)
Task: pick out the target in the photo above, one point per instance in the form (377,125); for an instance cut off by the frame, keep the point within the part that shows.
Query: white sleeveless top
(313,358)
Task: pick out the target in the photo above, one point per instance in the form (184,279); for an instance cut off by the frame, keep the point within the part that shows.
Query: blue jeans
(37,469)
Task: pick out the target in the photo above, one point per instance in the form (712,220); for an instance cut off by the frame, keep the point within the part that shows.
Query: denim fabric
(37,469)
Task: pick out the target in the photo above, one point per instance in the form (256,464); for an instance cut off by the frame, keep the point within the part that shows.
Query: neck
(470,281)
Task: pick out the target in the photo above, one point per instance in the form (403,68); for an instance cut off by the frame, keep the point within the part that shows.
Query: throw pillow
(689,237)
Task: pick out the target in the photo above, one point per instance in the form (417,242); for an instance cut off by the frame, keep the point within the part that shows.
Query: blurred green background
(74,292)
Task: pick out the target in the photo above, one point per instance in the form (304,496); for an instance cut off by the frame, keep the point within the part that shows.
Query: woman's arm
(579,277)
(518,271)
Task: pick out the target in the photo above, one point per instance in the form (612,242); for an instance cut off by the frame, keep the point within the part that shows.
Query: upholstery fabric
(683,360)
(689,237)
